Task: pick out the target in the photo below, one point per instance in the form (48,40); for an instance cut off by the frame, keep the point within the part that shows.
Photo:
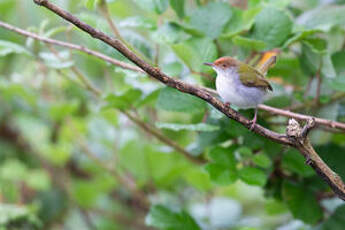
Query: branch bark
(298,142)
(299,135)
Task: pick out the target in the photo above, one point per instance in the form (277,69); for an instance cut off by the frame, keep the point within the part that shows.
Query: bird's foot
(253,123)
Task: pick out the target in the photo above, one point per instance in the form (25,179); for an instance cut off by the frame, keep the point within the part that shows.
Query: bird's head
(224,64)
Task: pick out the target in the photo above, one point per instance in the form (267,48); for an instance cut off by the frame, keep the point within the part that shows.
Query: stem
(105,11)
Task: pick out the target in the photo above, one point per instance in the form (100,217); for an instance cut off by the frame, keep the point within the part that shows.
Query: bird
(240,84)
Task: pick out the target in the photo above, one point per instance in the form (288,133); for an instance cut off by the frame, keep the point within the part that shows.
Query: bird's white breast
(230,89)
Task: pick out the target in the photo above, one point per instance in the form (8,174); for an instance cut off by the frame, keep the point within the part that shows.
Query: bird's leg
(254,119)
(227,105)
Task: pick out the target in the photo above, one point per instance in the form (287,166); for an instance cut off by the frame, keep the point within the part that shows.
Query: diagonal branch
(305,148)
(124,65)
(162,77)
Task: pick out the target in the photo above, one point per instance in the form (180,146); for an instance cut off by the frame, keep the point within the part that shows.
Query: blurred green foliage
(72,160)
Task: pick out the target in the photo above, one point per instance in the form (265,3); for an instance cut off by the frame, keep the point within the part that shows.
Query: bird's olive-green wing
(252,78)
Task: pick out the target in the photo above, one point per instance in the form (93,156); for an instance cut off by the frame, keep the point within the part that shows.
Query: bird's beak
(209,64)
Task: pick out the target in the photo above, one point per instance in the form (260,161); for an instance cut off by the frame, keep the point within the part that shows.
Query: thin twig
(305,148)
(302,117)
(162,138)
(87,83)
(105,11)
(71,46)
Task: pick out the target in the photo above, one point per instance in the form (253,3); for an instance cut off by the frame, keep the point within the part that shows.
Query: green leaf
(151,98)
(311,62)
(262,160)
(157,6)
(275,207)
(281,4)
(55,31)
(13,170)
(163,218)
(337,83)
(38,180)
(138,22)
(59,61)
(191,127)
(178,6)
(124,101)
(198,178)
(300,36)
(272,26)
(245,151)
(253,176)
(91,4)
(59,111)
(173,100)
(7,47)
(191,53)
(336,220)
(220,174)
(160,6)
(295,162)
(333,156)
(224,156)
(173,68)
(338,60)
(249,43)
(223,168)
(240,21)
(170,33)
(211,19)
(323,18)
(188,29)
(302,202)
(317,45)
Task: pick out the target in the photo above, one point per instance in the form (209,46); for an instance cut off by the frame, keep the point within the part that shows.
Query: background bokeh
(72,158)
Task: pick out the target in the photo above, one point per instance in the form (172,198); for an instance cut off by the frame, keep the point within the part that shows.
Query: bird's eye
(224,65)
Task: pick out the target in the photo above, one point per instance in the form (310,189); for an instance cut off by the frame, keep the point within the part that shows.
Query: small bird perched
(240,84)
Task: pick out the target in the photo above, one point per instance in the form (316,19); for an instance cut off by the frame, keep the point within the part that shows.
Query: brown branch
(71,46)
(298,134)
(302,117)
(305,147)
(124,65)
